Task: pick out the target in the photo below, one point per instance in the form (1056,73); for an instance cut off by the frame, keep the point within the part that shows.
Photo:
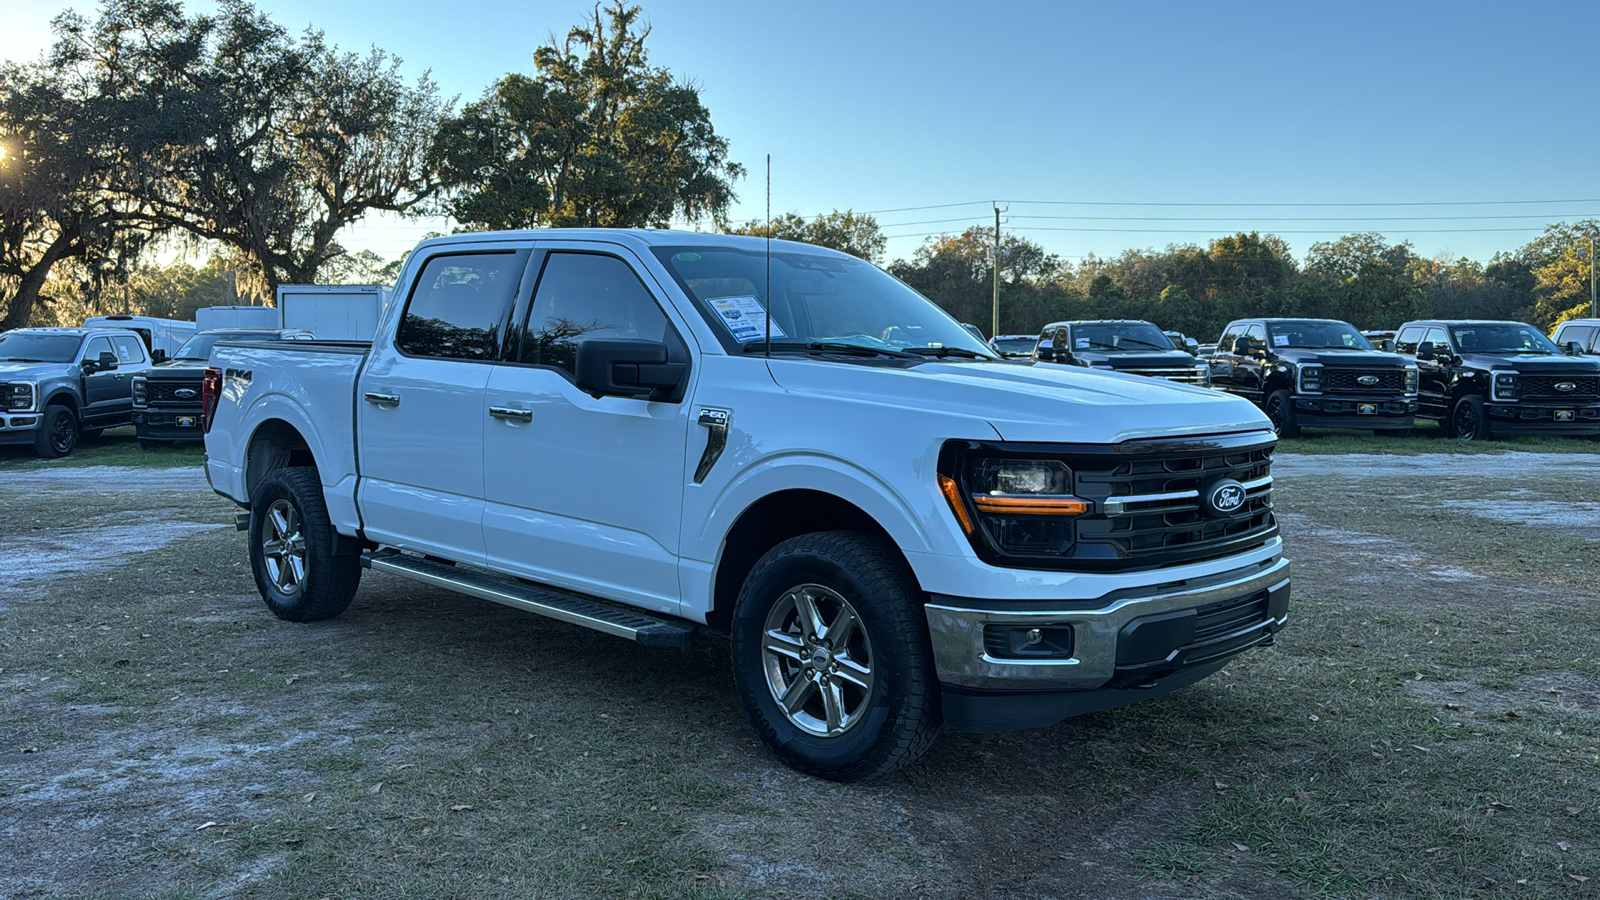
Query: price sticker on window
(744,317)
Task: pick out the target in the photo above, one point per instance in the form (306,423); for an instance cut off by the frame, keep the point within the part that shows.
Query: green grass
(1427,437)
(114,447)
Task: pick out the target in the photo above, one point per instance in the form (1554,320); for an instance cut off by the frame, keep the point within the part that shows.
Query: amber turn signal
(947,486)
(1029,505)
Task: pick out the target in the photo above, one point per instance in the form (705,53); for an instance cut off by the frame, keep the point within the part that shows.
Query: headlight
(1506,386)
(17,397)
(1024,505)
(1411,379)
(138,391)
(1311,378)
(1202,375)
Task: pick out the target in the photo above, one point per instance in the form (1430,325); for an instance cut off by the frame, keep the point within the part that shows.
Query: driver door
(106,393)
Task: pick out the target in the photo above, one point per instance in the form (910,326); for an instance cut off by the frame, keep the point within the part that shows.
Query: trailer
(333,312)
(160,336)
(209,317)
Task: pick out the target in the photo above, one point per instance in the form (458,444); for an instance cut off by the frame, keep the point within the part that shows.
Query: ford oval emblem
(1565,386)
(184,394)
(1368,380)
(1224,498)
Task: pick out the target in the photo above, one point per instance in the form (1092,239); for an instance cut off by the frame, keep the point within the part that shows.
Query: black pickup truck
(1315,372)
(167,397)
(1133,346)
(1482,379)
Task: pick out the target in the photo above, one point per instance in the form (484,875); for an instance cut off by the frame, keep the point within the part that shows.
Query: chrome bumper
(962,659)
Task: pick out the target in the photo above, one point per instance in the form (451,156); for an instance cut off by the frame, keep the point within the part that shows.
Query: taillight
(210,393)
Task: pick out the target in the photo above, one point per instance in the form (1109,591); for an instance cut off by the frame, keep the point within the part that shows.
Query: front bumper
(18,428)
(1543,417)
(1136,644)
(157,424)
(1343,411)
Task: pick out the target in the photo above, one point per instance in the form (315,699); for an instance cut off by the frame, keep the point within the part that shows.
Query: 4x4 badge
(1565,386)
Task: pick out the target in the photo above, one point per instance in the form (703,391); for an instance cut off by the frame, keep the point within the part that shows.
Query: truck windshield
(1015,346)
(198,348)
(1317,336)
(25,346)
(1501,338)
(815,299)
(1119,336)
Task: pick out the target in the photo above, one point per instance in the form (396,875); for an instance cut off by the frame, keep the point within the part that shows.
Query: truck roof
(642,237)
(78,330)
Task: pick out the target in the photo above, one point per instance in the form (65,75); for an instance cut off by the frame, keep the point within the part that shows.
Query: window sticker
(744,318)
(1280,340)
(1083,343)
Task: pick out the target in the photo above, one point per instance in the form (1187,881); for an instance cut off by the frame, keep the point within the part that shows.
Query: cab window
(582,296)
(129,350)
(459,306)
(96,347)
(1408,339)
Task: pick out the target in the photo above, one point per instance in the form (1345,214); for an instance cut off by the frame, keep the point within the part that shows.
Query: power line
(1280,219)
(1407,203)
(1321,231)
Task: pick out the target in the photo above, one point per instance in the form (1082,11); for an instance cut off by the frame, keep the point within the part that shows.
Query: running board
(644,629)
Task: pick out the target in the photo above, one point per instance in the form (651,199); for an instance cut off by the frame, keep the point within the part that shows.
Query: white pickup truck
(897,529)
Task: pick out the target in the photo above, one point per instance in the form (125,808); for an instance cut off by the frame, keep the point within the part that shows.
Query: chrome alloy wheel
(283,546)
(818,660)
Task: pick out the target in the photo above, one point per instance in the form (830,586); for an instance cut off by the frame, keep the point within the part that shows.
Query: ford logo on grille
(1368,380)
(1223,498)
(1565,386)
(184,394)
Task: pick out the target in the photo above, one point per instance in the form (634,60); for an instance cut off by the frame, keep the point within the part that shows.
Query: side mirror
(1386,345)
(158,356)
(104,363)
(1241,346)
(1430,351)
(1572,348)
(627,368)
(1191,347)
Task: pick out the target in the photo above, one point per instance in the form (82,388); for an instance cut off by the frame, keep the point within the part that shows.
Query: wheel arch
(62,396)
(275,444)
(772,520)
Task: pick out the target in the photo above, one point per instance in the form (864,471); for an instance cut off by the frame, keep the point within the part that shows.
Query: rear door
(419,403)
(585,492)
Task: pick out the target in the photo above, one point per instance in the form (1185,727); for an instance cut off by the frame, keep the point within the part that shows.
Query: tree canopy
(847,231)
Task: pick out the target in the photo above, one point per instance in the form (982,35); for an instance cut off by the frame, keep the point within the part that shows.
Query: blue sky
(882,106)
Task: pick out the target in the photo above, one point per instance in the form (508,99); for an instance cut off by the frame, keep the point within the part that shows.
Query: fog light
(1028,642)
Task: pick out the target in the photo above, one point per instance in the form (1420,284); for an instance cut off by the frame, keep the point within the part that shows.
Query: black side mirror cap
(1572,348)
(629,368)
(1425,350)
(158,356)
(1386,345)
(1241,346)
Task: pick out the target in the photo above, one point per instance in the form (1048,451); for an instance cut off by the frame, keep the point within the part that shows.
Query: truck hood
(1533,364)
(12,371)
(1364,359)
(1031,402)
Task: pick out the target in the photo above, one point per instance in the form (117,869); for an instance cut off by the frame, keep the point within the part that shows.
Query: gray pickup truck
(60,384)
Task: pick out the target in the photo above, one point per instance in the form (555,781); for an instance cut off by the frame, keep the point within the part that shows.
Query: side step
(643,628)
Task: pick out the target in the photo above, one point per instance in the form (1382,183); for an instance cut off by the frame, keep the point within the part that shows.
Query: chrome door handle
(382,399)
(507,414)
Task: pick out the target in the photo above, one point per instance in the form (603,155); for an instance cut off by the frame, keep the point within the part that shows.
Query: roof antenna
(769,256)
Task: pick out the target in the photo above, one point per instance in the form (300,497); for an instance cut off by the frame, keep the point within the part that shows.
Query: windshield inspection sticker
(1280,340)
(745,318)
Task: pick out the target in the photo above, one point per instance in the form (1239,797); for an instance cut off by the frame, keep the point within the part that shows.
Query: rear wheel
(1468,420)
(831,659)
(292,553)
(58,433)
(1280,409)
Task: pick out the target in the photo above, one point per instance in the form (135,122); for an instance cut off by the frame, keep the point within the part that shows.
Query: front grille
(1148,509)
(1345,381)
(1187,375)
(166,392)
(1586,388)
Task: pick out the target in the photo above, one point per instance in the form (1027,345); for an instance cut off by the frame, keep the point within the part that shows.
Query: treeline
(146,128)
(1360,278)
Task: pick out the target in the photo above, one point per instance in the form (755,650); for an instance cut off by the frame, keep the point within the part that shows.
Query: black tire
(1280,409)
(1468,421)
(58,433)
(1392,432)
(292,553)
(882,727)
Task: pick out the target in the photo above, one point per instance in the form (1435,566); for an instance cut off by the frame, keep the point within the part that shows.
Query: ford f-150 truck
(60,384)
(1120,345)
(897,529)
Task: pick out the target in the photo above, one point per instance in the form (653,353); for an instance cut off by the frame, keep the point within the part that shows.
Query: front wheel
(1280,409)
(831,657)
(1468,420)
(58,433)
(292,553)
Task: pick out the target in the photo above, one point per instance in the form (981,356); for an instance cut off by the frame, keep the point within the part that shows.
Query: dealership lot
(1429,725)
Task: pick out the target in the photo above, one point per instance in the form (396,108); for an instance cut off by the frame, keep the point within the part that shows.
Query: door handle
(507,414)
(382,399)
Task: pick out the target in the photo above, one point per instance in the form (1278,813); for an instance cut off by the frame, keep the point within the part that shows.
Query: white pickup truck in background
(898,530)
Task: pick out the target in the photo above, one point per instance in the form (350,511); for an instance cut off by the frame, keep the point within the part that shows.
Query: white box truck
(209,317)
(332,312)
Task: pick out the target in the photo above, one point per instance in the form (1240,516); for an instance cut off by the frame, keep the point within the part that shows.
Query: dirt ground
(1429,725)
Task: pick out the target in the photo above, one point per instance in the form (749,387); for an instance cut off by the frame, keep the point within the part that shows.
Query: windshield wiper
(947,351)
(1147,344)
(19,359)
(834,347)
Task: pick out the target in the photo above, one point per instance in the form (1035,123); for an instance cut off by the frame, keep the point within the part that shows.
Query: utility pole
(1593,313)
(994,324)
